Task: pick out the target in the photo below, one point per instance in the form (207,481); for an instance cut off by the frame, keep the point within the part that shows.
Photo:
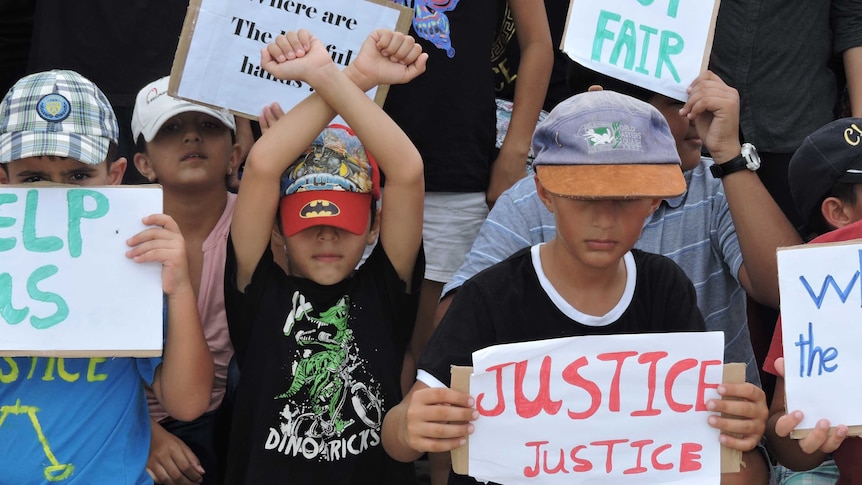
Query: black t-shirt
(319,367)
(449,112)
(510,302)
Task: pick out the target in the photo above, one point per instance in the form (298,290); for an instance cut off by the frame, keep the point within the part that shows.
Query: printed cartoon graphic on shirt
(334,406)
(431,23)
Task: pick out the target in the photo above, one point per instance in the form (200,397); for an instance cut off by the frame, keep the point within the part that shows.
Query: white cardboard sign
(66,285)
(218,58)
(598,409)
(659,45)
(820,287)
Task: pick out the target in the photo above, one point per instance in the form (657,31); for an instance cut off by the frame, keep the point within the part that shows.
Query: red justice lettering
(531,406)
(649,457)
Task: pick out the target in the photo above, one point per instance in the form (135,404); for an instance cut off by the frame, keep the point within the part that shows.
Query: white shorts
(451,223)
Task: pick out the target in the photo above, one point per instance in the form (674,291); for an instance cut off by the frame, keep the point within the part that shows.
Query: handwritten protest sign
(659,45)
(66,286)
(608,409)
(218,56)
(821,312)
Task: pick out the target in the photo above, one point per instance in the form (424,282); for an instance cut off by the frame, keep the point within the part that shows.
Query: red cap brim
(344,210)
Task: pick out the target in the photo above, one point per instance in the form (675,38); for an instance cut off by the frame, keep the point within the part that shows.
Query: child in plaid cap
(92,424)
(320,350)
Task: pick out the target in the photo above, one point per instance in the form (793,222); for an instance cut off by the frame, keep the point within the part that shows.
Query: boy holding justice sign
(85,420)
(604,162)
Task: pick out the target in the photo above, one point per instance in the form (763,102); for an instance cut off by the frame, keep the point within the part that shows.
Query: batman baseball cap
(332,183)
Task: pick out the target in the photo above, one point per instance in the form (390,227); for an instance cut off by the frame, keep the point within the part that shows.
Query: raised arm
(761,226)
(534,74)
(299,56)
(397,157)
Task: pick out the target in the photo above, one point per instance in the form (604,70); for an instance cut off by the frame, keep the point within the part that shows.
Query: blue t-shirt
(74,420)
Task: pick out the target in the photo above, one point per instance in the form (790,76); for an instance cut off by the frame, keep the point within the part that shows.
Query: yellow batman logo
(319,208)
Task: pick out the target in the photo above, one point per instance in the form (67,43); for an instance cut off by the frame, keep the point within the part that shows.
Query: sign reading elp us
(66,285)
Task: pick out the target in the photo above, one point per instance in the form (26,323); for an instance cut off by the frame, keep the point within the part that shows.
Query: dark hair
(843,191)
(579,79)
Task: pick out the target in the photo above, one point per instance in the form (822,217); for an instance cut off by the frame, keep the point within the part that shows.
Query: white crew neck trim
(590,320)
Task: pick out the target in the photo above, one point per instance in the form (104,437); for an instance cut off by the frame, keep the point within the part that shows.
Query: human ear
(836,212)
(116,171)
(654,203)
(144,166)
(235,158)
(544,195)
(374,230)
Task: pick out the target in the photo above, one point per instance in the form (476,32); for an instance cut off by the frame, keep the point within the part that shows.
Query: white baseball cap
(153,107)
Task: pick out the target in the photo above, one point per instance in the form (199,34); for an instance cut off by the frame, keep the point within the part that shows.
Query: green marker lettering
(602,33)
(47,297)
(32,242)
(628,40)
(77,212)
(648,31)
(7,243)
(666,49)
(12,315)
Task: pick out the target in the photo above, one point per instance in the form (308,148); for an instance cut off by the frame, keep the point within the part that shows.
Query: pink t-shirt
(211,309)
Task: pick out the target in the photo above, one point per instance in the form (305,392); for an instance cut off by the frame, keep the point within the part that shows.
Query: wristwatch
(747,159)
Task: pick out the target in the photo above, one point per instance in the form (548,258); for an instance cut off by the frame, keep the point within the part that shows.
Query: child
(58,127)
(724,247)
(190,149)
(320,351)
(825,177)
(586,280)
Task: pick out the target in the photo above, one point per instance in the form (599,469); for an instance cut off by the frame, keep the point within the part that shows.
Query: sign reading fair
(661,45)
(218,56)
(821,310)
(598,409)
(67,287)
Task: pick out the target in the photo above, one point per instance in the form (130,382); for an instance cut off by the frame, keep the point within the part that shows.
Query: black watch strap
(733,165)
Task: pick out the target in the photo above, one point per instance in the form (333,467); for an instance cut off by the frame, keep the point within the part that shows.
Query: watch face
(752,159)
